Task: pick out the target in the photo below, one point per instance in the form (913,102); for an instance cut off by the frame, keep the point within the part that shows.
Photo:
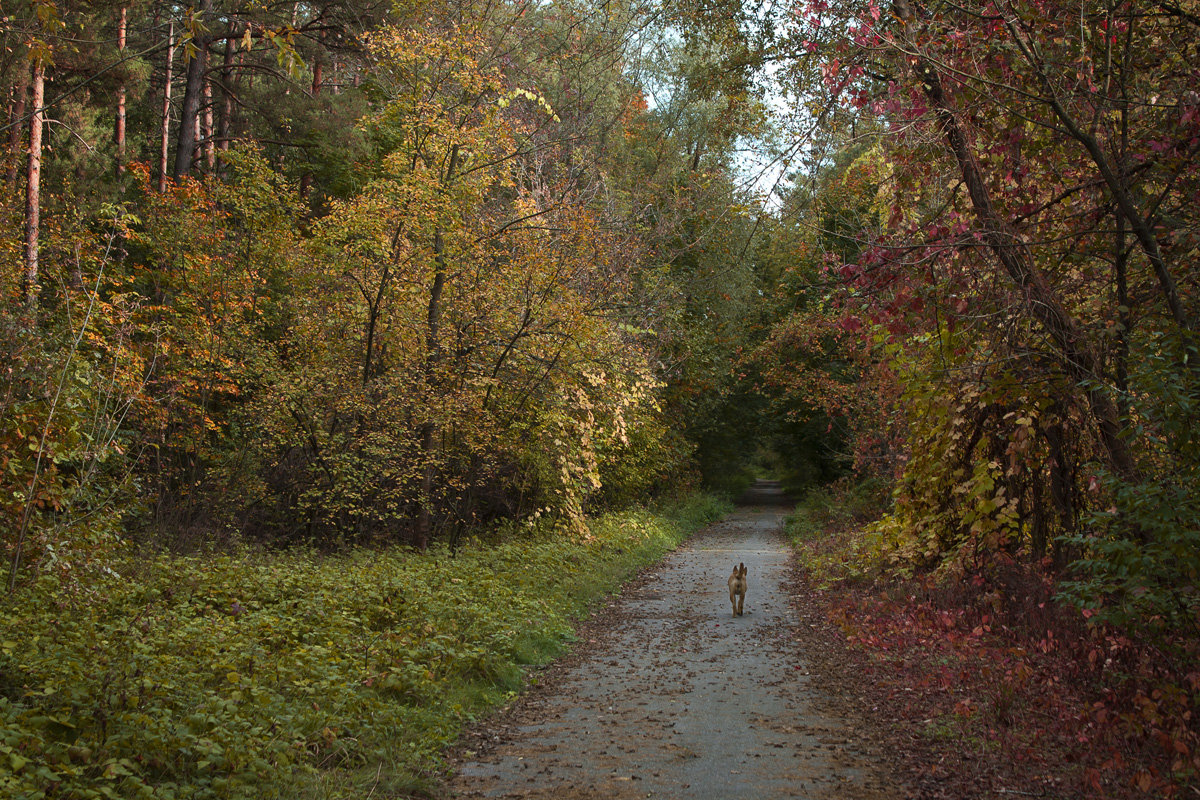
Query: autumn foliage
(364,273)
(447,331)
(1003,226)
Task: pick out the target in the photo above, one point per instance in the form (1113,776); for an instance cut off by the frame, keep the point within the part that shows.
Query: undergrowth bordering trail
(292,674)
(988,684)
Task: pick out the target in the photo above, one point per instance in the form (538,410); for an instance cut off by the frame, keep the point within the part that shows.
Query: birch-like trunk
(165,119)
(225,124)
(210,152)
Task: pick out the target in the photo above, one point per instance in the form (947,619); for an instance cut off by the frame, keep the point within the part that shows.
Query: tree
(679,174)
(831,396)
(193,92)
(410,268)
(33,181)
(1037,172)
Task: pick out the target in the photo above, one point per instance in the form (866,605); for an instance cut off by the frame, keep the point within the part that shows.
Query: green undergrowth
(829,528)
(292,674)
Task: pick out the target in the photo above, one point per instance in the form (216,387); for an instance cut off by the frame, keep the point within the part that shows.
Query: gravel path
(670,696)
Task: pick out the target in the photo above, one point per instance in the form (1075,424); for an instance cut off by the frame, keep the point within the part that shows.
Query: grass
(827,527)
(292,674)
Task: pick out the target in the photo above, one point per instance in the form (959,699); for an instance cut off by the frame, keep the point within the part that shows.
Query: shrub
(260,675)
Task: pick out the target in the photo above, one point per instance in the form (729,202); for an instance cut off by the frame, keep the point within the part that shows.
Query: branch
(1137,222)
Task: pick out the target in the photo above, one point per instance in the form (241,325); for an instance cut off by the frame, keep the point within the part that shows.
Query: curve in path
(678,698)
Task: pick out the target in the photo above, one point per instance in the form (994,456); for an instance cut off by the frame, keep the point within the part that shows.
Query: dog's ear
(742,570)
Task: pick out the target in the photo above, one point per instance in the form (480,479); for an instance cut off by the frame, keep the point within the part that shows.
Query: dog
(737,589)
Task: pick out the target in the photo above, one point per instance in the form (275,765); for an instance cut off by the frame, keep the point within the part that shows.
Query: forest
(306,302)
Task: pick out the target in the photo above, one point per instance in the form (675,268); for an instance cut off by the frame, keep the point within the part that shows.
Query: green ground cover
(292,674)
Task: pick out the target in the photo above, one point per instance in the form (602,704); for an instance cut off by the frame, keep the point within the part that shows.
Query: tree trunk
(197,136)
(17,119)
(433,354)
(33,184)
(1124,315)
(1115,180)
(227,93)
(424,517)
(210,152)
(1078,355)
(193,92)
(318,78)
(165,120)
(119,128)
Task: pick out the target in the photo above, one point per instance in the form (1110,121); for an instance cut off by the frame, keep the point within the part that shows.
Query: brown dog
(737,588)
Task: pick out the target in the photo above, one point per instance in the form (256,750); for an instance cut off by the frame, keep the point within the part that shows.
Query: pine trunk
(119,128)
(193,92)
(29,280)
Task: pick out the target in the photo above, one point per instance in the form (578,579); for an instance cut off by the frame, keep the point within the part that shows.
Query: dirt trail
(673,697)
